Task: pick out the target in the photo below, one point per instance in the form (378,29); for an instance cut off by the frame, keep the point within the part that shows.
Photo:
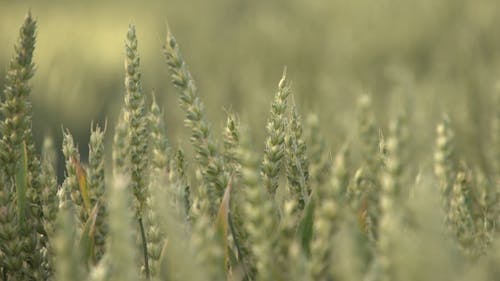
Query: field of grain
(230,140)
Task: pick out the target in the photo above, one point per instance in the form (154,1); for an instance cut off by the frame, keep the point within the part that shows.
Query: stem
(144,249)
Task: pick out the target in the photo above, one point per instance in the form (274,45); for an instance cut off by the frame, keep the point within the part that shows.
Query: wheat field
(385,166)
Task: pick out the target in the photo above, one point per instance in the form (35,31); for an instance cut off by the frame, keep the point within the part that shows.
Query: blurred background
(424,57)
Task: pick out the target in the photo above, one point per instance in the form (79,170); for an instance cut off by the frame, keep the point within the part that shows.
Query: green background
(424,57)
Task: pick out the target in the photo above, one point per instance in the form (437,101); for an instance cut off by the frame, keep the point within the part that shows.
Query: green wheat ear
(259,213)
(368,180)
(69,258)
(135,117)
(231,137)
(10,243)
(17,143)
(97,188)
(209,160)
(297,160)
(16,107)
(136,146)
(391,201)
(460,217)
(445,160)
(236,219)
(326,218)
(159,144)
(176,261)
(159,168)
(319,157)
(121,252)
(275,143)
(71,182)
(208,247)
(154,236)
(50,201)
(181,193)
(120,145)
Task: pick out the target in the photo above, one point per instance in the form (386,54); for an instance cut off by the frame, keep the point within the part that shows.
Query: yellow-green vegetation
(291,208)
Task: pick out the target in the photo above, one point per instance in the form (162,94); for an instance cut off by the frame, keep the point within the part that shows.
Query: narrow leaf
(222,220)
(305,229)
(240,258)
(87,244)
(82,183)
